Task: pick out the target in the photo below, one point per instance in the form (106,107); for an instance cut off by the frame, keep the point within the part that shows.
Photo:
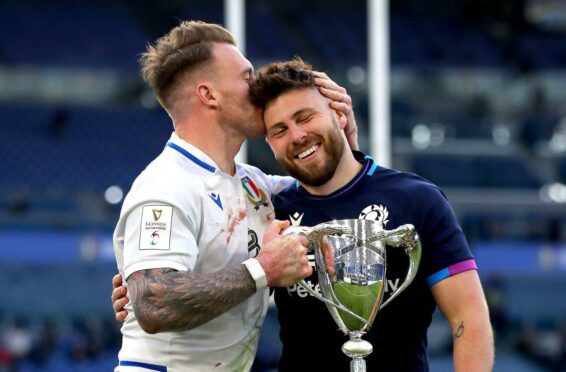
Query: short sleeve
(159,235)
(445,248)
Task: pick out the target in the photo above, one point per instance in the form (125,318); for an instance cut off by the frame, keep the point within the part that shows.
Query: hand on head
(339,101)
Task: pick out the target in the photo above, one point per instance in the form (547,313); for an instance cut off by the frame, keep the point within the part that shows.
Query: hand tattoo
(166,300)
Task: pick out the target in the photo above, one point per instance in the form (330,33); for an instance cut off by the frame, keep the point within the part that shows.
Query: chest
(232,221)
(304,211)
(388,212)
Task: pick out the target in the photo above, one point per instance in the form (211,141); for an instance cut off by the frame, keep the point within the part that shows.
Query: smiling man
(319,158)
(307,138)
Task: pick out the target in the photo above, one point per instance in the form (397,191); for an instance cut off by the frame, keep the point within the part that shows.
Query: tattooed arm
(461,299)
(167,300)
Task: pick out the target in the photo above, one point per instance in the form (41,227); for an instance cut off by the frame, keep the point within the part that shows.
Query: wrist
(257,273)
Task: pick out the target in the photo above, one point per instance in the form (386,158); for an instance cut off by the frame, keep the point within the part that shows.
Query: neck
(216,142)
(348,168)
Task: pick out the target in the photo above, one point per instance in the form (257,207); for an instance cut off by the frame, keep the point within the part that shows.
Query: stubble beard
(318,175)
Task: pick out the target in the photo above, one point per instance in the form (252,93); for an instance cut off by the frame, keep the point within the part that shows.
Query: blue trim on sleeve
(152,367)
(437,277)
(191,157)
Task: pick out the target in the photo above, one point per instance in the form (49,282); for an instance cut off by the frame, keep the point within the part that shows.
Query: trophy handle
(405,236)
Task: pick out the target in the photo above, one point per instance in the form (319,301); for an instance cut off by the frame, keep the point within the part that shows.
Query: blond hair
(184,48)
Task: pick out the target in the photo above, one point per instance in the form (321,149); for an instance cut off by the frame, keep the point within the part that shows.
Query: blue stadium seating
(486,172)
(70,34)
(92,149)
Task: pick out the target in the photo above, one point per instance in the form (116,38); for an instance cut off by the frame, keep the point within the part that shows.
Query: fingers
(118,293)
(121,316)
(119,301)
(341,107)
(307,271)
(281,225)
(336,96)
(304,241)
(284,260)
(320,74)
(274,230)
(328,255)
(116,281)
(119,298)
(329,84)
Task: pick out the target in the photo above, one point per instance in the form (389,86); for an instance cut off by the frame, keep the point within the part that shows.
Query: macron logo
(296,219)
(216,198)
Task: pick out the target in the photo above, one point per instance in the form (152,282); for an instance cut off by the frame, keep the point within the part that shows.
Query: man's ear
(206,94)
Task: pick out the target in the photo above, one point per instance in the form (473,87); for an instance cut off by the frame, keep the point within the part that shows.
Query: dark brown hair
(278,78)
(184,48)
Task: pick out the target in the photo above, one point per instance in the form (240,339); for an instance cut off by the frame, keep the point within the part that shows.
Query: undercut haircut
(280,77)
(183,49)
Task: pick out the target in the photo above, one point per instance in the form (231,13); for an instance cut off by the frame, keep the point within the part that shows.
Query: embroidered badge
(255,195)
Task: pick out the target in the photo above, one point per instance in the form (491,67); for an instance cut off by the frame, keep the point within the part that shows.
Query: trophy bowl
(357,250)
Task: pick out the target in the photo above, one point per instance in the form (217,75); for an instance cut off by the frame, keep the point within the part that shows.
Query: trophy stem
(357,349)
(358,365)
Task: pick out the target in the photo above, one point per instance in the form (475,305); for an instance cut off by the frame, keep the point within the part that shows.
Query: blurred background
(477,106)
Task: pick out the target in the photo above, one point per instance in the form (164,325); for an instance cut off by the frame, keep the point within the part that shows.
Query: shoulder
(164,180)
(274,184)
(412,186)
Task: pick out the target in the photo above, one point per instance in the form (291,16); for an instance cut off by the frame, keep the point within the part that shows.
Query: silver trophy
(354,293)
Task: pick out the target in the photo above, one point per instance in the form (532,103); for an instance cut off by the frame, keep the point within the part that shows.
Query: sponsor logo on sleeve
(156,227)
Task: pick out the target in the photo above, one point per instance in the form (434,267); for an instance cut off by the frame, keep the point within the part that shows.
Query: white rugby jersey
(182,212)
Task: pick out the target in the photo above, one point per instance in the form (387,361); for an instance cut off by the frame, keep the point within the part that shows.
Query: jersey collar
(368,168)
(192,153)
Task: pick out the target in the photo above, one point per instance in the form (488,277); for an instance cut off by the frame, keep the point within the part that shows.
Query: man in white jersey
(190,228)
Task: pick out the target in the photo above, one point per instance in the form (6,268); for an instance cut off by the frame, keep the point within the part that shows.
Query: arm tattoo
(167,300)
(460,331)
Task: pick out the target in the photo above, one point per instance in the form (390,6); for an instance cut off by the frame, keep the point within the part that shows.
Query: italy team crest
(255,195)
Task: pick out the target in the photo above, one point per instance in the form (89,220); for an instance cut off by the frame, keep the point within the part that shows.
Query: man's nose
(298,135)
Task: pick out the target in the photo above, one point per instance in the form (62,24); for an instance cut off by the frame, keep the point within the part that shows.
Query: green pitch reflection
(360,299)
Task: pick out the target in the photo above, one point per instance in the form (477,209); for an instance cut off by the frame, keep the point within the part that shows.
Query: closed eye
(277,131)
(305,118)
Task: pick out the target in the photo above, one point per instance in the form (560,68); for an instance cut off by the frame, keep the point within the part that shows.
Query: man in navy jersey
(307,138)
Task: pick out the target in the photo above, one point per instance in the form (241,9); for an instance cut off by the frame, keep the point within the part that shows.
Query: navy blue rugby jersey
(399,332)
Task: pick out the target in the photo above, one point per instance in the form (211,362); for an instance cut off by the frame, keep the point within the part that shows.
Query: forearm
(166,300)
(473,345)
